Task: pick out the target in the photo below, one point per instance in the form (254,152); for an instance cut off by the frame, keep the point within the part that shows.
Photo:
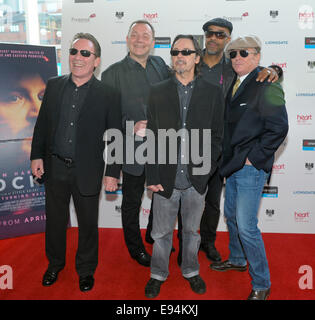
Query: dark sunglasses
(185,52)
(243,53)
(218,34)
(84,53)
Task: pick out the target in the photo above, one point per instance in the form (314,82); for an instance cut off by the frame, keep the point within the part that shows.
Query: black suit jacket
(100,111)
(205,111)
(256,123)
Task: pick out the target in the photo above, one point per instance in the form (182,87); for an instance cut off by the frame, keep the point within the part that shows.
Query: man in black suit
(185,104)
(132,78)
(67,150)
(256,124)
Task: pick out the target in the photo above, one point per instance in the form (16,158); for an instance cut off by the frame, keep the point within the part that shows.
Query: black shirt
(184,94)
(72,101)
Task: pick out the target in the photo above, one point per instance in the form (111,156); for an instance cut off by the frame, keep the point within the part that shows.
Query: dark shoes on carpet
(86,283)
(211,251)
(259,294)
(143,258)
(49,278)
(197,284)
(152,288)
(226,266)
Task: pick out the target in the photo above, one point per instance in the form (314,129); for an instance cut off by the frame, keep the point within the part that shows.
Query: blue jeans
(242,198)
(164,219)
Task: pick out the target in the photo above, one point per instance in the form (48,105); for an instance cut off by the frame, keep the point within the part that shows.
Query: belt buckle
(68,162)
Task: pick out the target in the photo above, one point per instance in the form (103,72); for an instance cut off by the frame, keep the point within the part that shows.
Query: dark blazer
(100,111)
(125,77)
(205,111)
(256,123)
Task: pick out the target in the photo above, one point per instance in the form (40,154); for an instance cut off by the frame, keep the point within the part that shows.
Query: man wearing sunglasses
(182,104)
(217,69)
(67,149)
(132,78)
(256,124)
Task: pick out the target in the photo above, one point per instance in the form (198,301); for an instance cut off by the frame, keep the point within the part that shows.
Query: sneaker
(197,284)
(152,289)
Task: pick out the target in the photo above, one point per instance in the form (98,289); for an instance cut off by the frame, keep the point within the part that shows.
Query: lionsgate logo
(238,18)
(160,147)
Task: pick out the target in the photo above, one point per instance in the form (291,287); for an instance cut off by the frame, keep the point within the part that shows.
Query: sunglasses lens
(243,53)
(186,52)
(73,51)
(85,53)
(233,54)
(218,34)
(174,52)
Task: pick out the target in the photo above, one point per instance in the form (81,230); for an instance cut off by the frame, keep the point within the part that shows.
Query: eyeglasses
(185,52)
(218,34)
(243,53)
(84,53)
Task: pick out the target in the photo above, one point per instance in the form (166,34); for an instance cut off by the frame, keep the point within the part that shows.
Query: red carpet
(118,277)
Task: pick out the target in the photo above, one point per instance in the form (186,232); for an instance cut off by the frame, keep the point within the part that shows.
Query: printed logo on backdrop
(6,15)
(282,65)
(310,43)
(270,192)
(119,42)
(278,168)
(274,14)
(119,16)
(162,42)
(270,212)
(83,20)
(237,18)
(309,144)
(277,42)
(304,119)
(311,66)
(305,94)
(83,1)
(302,216)
(309,168)
(151,17)
(145,212)
(306,17)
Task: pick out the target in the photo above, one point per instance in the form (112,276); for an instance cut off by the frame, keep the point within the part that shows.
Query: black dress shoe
(152,288)
(197,284)
(259,294)
(226,266)
(86,283)
(49,278)
(211,252)
(143,258)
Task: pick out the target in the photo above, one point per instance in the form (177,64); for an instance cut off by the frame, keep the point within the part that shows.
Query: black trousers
(132,188)
(59,188)
(211,215)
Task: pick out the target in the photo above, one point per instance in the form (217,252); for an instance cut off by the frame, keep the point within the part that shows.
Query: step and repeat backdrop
(287,31)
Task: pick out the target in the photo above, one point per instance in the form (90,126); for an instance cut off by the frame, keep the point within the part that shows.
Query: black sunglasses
(243,53)
(218,34)
(84,53)
(185,52)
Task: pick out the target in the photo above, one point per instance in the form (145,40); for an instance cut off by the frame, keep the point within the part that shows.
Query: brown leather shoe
(259,294)
(226,266)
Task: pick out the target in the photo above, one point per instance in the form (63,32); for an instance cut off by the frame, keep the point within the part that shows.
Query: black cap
(218,22)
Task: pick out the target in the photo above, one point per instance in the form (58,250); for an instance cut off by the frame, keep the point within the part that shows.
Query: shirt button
(185,91)
(70,141)
(182,171)
(71,124)
(73,106)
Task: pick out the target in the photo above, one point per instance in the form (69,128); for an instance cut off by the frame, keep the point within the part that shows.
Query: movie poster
(25,70)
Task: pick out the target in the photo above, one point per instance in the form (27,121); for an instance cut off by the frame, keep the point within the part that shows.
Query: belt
(68,161)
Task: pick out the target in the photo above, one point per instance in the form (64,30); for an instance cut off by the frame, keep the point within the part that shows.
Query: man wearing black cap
(217,69)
